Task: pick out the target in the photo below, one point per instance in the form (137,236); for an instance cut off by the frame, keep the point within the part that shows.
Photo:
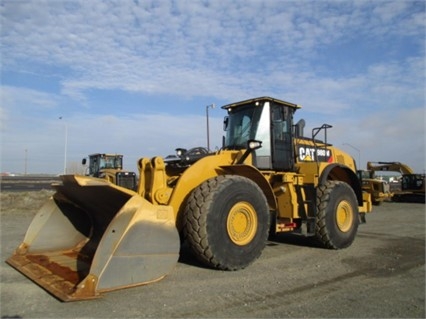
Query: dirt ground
(382,275)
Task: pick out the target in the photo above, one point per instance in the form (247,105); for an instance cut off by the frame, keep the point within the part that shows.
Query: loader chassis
(110,167)
(267,179)
(412,184)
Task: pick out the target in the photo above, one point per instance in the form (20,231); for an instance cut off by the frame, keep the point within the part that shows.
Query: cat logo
(309,154)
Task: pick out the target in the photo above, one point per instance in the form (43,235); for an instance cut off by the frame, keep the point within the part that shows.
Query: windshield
(242,126)
(111,162)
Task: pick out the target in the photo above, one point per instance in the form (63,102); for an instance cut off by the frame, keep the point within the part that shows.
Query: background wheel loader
(93,236)
(110,167)
(377,188)
(412,188)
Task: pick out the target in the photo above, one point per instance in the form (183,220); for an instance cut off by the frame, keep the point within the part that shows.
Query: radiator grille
(127,180)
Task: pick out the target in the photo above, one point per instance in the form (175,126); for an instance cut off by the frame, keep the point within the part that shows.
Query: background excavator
(94,236)
(412,187)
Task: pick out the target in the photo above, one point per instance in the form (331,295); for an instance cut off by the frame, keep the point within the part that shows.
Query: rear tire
(338,216)
(227,222)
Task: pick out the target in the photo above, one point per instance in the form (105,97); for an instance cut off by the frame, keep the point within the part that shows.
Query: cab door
(282,141)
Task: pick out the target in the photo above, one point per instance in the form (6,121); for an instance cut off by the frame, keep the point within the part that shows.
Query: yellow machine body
(412,188)
(377,188)
(110,167)
(93,236)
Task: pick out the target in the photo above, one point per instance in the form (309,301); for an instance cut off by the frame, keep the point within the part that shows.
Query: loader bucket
(93,236)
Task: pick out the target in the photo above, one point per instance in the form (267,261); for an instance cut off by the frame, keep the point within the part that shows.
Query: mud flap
(93,236)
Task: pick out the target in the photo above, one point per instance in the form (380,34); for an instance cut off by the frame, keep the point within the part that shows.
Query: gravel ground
(382,275)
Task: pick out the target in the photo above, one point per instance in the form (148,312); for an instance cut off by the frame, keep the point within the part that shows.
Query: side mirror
(84,161)
(180,151)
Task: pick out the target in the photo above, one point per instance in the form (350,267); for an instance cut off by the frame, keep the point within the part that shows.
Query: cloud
(13,97)
(383,136)
(43,139)
(344,61)
(22,103)
(191,48)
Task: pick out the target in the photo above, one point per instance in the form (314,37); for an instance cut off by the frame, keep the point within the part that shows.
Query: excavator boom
(390,166)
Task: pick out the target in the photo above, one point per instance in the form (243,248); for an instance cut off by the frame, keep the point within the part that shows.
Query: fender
(256,176)
(210,167)
(339,172)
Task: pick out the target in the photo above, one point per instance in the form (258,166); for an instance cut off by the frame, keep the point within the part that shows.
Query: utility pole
(26,162)
(66,146)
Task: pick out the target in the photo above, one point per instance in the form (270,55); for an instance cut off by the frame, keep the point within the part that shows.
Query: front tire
(338,216)
(227,222)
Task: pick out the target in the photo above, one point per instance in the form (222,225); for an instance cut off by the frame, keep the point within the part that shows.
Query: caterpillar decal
(308,153)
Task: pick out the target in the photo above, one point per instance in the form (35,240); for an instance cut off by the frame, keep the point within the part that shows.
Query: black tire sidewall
(218,250)
(230,193)
(333,237)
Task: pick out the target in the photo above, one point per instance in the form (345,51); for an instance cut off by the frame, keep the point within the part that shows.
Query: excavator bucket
(93,236)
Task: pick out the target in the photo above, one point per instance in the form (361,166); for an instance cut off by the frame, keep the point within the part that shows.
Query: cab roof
(105,154)
(261,99)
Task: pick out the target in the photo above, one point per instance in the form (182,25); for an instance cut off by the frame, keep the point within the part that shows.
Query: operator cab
(267,120)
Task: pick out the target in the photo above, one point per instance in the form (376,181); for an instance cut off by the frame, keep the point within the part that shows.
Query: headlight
(253,144)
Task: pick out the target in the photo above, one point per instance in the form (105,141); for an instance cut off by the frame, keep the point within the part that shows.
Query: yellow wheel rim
(242,223)
(344,216)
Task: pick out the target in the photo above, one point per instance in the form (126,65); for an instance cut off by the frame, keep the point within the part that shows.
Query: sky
(138,77)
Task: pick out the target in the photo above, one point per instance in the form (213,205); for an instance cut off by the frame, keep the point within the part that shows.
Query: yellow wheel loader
(93,236)
(110,167)
(379,189)
(412,188)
